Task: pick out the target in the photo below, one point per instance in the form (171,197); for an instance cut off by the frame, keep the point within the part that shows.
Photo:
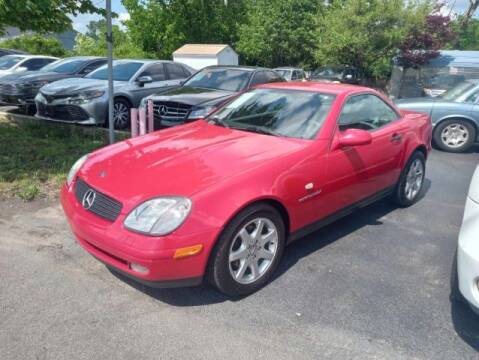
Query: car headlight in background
(200,112)
(159,216)
(86,96)
(76,166)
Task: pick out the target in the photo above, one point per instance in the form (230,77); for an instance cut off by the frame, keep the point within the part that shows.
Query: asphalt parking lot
(375,285)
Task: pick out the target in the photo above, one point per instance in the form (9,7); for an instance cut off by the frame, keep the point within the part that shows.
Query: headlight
(76,166)
(159,216)
(201,112)
(86,96)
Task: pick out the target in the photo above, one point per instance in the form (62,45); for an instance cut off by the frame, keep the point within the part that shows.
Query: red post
(142,121)
(151,126)
(134,122)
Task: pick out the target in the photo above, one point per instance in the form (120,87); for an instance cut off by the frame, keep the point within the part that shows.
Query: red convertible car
(220,198)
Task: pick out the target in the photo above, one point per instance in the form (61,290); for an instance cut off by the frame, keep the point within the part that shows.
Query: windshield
(328,72)
(284,73)
(456,92)
(290,113)
(122,71)
(8,61)
(64,66)
(221,79)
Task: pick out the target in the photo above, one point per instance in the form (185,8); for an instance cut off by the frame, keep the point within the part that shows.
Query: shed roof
(200,49)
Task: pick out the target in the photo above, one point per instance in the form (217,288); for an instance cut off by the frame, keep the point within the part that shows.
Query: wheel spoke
(265,254)
(245,236)
(239,254)
(256,235)
(254,269)
(272,235)
(241,270)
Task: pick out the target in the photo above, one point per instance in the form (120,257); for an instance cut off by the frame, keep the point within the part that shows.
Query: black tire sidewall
(440,127)
(218,269)
(399,195)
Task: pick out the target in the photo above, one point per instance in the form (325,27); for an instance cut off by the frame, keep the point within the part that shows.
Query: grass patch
(35,157)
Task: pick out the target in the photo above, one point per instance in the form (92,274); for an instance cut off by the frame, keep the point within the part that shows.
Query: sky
(80,22)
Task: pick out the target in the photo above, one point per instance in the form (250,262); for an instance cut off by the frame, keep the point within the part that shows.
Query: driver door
(358,172)
(160,82)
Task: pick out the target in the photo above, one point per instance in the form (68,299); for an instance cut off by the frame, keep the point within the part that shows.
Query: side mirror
(142,80)
(354,137)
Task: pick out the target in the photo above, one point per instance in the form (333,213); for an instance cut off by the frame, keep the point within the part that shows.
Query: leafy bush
(35,44)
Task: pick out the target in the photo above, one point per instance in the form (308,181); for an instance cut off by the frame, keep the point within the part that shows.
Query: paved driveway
(373,285)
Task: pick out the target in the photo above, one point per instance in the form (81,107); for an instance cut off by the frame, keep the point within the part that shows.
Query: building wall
(197,62)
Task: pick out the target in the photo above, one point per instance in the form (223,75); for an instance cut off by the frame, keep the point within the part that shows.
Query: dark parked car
(21,89)
(340,74)
(85,101)
(454,114)
(205,91)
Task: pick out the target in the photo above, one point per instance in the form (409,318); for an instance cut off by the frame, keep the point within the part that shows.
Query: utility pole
(109,40)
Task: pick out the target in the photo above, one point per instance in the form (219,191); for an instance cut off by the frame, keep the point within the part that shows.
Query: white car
(10,64)
(468,247)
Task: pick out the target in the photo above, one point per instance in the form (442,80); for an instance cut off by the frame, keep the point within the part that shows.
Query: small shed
(200,55)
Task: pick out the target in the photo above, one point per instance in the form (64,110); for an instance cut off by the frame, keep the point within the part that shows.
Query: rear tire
(411,181)
(454,135)
(248,251)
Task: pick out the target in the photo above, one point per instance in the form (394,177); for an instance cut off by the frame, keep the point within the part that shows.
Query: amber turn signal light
(187,251)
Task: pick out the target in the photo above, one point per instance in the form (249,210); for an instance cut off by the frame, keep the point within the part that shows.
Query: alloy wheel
(253,250)
(120,115)
(414,179)
(455,135)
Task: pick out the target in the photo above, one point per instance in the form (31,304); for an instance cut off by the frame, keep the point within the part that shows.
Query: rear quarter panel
(418,133)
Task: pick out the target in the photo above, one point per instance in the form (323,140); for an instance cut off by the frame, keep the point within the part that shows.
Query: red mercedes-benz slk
(220,198)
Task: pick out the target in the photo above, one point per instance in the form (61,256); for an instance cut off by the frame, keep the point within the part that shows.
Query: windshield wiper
(259,130)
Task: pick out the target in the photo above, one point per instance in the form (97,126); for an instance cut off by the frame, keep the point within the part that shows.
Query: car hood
(193,96)
(71,86)
(31,76)
(181,161)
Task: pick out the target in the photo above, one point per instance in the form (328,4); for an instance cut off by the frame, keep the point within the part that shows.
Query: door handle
(396,137)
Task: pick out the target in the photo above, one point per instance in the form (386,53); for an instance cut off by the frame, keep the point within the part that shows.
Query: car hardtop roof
(329,88)
(236,67)
(85,57)
(35,56)
(145,61)
(287,68)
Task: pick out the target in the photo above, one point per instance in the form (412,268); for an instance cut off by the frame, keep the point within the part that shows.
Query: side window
(33,64)
(473,98)
(156,71)
(175,71)
(272,77)
(295,75)
(258,78)
(91,66)
(366,112)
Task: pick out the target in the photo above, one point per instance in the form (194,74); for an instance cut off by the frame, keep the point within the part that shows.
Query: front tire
(248,251)
(454,135)
(121,114)
(411,181)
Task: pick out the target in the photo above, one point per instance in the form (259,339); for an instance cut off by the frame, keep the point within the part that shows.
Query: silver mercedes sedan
(454,114)
(85,100)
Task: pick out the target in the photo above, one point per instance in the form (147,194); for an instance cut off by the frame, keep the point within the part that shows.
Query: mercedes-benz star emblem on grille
(162,110)
(88,199)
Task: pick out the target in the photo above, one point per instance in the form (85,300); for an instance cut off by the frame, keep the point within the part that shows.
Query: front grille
(62,112)
(50,98)
(9,89)
(103,205)
(170,111)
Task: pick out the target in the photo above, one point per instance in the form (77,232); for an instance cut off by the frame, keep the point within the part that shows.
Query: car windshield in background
(121,71)
(283,73)
(65,66)
(221,79)
(454,93)
(328,72)
(290,113)
(8,61)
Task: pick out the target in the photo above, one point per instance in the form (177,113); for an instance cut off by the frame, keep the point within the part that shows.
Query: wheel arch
(123,97)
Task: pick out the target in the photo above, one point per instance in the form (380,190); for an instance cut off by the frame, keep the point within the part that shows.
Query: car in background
(339,74)
(85,100)
(205,91)
(468,247)
(17,63)
(4,52)
(440,83)
(291,74)
(21,89)
(219,198)
(454,114)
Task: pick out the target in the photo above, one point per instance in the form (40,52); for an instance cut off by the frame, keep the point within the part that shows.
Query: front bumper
(118,248)
(468,254)
(89,113)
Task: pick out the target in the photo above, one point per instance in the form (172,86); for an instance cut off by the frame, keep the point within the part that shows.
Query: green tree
(468,36)
(42,15)
(93,42)
(35,44)
(278,33)
(159,27)
(367,33)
